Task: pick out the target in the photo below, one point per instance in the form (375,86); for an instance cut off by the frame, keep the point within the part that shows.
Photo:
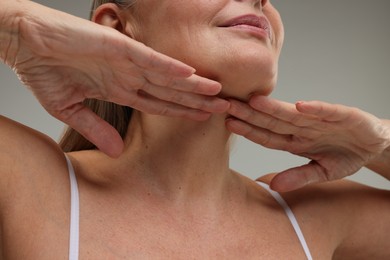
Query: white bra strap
(74,214)
(291,216)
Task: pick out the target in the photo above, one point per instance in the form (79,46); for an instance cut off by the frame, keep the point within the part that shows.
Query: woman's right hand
(64,60)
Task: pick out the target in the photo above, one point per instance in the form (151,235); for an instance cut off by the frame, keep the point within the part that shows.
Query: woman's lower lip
(255,31)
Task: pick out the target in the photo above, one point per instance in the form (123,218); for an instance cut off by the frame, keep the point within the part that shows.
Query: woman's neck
(180,159)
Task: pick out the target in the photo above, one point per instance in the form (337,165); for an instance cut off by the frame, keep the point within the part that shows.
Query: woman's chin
(244,92)
(242,82)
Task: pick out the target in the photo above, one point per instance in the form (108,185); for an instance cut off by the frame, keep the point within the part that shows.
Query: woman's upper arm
(6,167)
(369,225)
(28,160)
(21,150)
(8,156)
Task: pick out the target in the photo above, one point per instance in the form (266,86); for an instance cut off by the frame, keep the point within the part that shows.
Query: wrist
(10,14)
(381,163)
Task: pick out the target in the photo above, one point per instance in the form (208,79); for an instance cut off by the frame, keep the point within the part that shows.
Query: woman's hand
(64,60)
(338,140)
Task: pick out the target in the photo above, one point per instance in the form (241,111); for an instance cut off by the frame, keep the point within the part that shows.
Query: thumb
(99,132)
(298,177)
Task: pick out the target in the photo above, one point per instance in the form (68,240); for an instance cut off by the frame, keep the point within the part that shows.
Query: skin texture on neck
(180,159)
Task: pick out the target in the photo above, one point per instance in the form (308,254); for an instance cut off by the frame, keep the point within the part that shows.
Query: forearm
(11,12)
(381,164)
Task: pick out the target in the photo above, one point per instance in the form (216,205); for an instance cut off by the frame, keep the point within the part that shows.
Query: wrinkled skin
(64,60)
(338,140)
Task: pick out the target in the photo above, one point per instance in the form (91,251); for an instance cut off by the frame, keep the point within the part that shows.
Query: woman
(170,193)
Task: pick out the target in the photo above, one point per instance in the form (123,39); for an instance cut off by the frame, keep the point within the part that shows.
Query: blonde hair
(118,116)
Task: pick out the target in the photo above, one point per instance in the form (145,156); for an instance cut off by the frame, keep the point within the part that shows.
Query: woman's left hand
(338,140)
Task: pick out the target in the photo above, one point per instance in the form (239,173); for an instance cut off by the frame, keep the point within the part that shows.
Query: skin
(171,194)
(44,62)
(203,35)
(338,140)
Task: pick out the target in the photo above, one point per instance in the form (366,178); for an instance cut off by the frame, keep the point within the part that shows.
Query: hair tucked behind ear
(118,116)
(121,3)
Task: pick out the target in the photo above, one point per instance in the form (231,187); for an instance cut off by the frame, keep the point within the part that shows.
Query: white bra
(75,211)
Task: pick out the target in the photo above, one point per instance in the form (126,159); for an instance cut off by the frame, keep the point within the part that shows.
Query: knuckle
(266,140)
(207,103)
(176,97)
(164,111)
(143,84)
(299,120)
(276,110)
(246,114)
(260,137)
(171,82)
(151,60)
(271,124)
(324,175)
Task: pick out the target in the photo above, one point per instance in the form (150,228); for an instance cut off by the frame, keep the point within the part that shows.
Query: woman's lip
(255,31)
(251,23)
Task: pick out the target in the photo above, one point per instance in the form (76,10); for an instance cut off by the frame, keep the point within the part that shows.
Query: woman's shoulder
(26,155)
(332,198)
(343,210)
(34,185)
(20,144)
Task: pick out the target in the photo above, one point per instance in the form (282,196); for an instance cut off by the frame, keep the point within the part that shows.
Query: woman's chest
(154,235)
(174,244)
(138,232)
(156,238)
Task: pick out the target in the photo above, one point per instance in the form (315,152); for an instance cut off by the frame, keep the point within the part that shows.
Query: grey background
(336,51)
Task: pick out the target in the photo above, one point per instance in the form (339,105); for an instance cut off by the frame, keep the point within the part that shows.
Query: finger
(199,102)
(143,101)
(326,111)
(265,137)
(298,177)
(281,110)
(149,104)
(93,128)
(149,59)
(256,118)
(111,43)
(164,70)
(193,84)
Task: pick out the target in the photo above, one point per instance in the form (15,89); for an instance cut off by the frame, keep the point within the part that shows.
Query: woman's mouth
(253,24)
